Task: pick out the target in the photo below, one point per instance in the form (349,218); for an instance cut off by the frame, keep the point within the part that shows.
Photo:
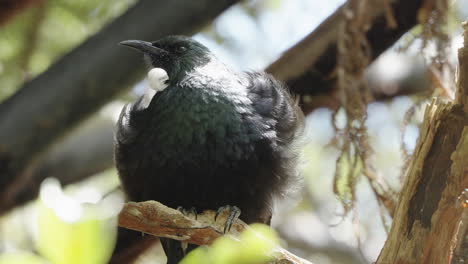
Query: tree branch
(308,67)
(85,151)
(154,218)
(313,59)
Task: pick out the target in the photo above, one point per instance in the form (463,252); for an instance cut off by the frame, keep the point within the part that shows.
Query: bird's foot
(234,213)
(191,212)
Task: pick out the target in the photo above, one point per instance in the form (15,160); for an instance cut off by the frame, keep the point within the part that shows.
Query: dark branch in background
(85,151)
(78,155)
(308,67)
(44,109)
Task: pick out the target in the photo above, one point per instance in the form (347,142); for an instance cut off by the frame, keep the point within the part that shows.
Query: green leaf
(255,245)
(71,232)
(21,258)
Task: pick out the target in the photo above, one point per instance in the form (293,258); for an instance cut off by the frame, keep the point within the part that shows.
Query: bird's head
(177,55)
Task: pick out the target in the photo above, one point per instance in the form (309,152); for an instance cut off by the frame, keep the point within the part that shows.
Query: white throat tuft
(158,79)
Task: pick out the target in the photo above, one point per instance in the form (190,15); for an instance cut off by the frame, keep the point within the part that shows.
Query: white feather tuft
(158,79)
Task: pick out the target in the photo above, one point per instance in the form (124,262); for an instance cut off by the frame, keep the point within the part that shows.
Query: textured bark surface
(154,218)
(430,224)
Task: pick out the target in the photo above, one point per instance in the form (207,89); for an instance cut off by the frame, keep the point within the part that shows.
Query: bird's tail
(174,250)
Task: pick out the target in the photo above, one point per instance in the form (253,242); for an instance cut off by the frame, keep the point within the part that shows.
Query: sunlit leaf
(70,232)
(255,245)
(21,258)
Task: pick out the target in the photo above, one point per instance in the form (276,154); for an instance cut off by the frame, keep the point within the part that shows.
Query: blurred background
(312,222)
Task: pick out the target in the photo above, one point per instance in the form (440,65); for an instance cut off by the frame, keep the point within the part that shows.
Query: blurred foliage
(255,245)
(71,228)
(21,258)
(83,241)
(348,169)
(72,231)
(36,37)
(450,27)
(254,8)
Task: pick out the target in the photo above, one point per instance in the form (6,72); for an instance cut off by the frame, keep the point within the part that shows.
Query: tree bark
(156,219)
(430,223)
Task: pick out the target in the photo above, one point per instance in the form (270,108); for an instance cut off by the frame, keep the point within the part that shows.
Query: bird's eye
(181,49)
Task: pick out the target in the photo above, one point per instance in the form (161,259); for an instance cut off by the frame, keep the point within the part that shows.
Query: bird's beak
(143,46)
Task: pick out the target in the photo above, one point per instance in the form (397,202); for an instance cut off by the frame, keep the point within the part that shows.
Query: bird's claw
(234,213)
(191,212)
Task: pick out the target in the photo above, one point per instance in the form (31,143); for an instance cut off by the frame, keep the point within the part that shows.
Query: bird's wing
(272,100)
(127,125)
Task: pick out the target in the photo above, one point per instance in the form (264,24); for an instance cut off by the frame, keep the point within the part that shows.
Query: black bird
(213,137)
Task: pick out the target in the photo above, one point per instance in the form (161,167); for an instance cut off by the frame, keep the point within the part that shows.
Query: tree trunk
(431,220)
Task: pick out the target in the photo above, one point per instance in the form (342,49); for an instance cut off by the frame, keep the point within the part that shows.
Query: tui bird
(210,137)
